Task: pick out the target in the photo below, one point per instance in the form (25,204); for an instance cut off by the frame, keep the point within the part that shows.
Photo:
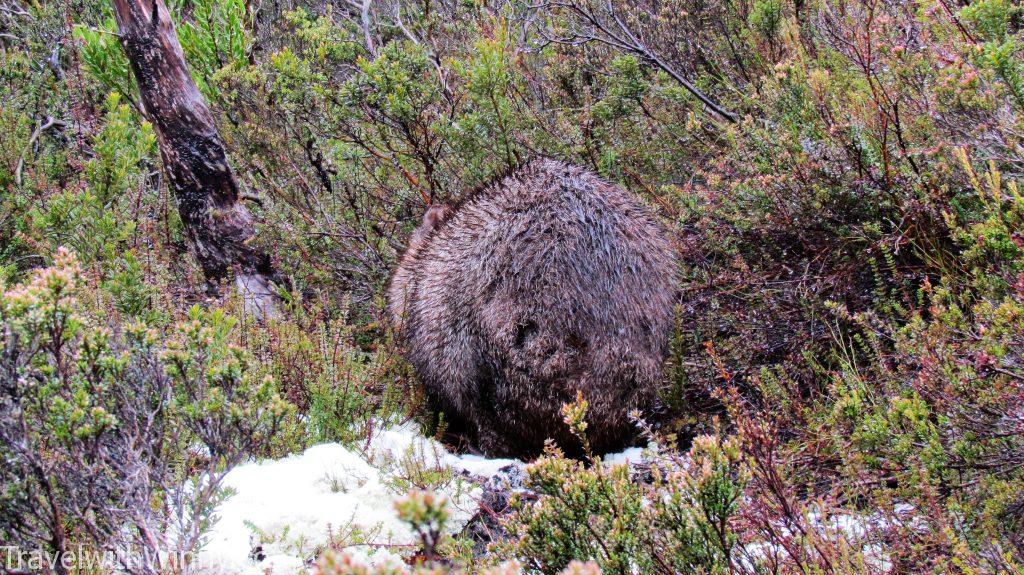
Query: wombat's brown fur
(547,282)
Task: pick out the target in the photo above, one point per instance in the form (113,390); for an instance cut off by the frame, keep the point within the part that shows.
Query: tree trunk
(218,225)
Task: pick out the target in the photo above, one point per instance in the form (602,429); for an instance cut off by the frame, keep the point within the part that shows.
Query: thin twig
(625,40)
(49,123)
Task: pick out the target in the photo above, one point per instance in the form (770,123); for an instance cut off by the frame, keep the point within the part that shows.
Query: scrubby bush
(678,523)
(120,440)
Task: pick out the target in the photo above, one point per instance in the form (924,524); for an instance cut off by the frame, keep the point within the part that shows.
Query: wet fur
(547,282)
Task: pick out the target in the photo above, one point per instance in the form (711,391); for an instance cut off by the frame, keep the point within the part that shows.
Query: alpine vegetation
(244,246)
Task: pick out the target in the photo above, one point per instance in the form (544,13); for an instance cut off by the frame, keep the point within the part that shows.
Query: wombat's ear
(435,215)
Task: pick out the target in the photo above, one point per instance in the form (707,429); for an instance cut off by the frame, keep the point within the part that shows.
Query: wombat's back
(549,282)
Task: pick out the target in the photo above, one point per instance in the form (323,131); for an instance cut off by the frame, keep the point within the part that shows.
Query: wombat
(545,283)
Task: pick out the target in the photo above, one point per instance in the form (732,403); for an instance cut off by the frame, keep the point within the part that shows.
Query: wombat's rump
(547,282)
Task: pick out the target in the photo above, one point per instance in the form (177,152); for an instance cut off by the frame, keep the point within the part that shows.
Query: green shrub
(765,17)
(588,511)
(101,432)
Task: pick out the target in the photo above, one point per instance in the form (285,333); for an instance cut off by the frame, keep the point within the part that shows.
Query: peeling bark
(218,225)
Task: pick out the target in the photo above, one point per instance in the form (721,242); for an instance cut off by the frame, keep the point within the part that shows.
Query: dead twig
(606,26)
(50,122)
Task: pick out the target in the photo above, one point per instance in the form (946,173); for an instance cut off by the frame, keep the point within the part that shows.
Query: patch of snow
(626,456)
(283,512)
(858,531)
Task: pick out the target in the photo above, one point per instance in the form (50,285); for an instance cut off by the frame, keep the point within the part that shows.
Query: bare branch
(364,15)
(50,122)
(606,26)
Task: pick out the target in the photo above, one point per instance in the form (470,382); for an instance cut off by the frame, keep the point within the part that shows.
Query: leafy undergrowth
(844,392)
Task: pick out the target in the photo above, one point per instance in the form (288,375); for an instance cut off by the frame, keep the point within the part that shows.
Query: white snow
(626,456)
(859,531)
(292,507)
